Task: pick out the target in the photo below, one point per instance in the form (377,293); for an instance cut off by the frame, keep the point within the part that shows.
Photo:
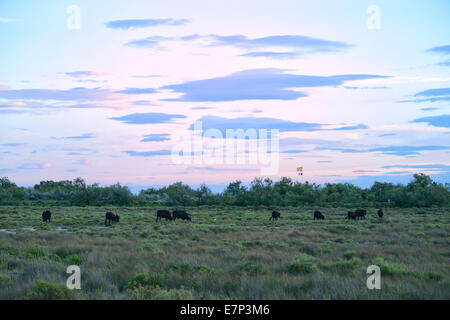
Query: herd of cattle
(112,216)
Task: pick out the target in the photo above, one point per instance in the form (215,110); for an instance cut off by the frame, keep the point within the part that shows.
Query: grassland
(224,253)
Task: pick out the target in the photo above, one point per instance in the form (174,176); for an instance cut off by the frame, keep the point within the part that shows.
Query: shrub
(211,271)
(146,279)
(389,268)
(156,293)
(249,268)
(431,276)
(182,268)
(349,254)
(5,280)
(302,264)
(345,266)
(44,290)
(35,252)
(75,260)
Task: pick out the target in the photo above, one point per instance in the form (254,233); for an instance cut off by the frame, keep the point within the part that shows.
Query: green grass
(224,253)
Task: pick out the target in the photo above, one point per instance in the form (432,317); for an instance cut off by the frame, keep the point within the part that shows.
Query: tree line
(422,191)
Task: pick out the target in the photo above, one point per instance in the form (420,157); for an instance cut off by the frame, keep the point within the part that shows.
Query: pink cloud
(35,166)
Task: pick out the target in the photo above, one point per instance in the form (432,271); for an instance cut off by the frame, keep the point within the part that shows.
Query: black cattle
(380,213)
(111,216)
(275,215)
(318,215)
(360,214)
(351,215)
(180,214)
(46,216)
(163,214)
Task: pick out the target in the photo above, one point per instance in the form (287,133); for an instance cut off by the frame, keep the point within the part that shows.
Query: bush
(146,279)
(349,254)
(35,252)
(44,290)
(249,268)
(302,264)
(389,268)
(5,280)
(345,266)
(156,293)
(182,268)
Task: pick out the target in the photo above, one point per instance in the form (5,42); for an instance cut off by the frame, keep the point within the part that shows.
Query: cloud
(31,106)
(432,167)
(216,169)
(365,87)
(6,20)
(407,150)
(149,42)
(387,134)
(442,121)
(293,151)
(341,149)
(7,171)
(272,55)
(13,144)
(445,63)
(148,118)
(364,171)
(84,73)
(433,99)
(245,123)
(84,162)
(301,44)
(137,91)
(156,137)
(433,92)
(386,150)
(148,153)
(78,138)
(398,172)
(354,127)
(144,103)
(285,41)
(35,166)
(429,109)
(431,95)
(147,76)
(74,94)
(144,23)
(202,108)
(440,49)
(257,84)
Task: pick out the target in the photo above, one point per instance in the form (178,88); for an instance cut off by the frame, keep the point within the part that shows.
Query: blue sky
(107,99)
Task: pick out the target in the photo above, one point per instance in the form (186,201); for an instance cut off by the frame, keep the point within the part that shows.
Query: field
(224,253)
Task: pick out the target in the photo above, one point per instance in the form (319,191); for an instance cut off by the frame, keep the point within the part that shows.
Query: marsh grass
(224,253)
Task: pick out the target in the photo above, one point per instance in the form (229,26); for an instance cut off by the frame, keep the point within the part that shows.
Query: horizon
(106,91)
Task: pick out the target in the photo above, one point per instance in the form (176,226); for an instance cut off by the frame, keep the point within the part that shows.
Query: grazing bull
(275,215)
(46,216)
(360,214)
(111,216)
(318,215)
(380,213)
(351,215)
(163,214)
(180,214)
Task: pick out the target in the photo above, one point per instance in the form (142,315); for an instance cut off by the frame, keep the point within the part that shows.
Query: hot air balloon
(300,171)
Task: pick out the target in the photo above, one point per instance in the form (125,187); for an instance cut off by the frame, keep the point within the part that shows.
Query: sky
(111,91)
